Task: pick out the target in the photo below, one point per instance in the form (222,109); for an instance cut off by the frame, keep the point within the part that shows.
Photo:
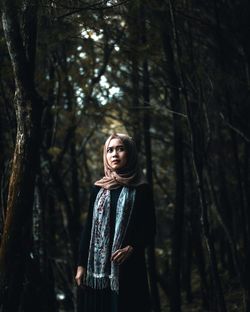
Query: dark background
(175,76)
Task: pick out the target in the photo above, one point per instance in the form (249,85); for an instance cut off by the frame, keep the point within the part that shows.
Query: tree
(20,36)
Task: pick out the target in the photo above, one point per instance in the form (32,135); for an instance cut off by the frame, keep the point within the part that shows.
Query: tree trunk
(147,145)
(193,204)
(16,241)
(175,301)
(134,26)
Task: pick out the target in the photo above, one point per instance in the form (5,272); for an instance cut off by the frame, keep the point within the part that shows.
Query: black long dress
(133,285)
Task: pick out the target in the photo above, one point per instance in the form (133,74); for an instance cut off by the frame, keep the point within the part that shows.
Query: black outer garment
(133,293)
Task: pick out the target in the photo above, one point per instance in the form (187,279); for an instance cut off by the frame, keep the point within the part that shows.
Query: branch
(244,137)
(90,7)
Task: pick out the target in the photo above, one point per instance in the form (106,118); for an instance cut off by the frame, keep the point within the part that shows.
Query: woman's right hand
(80,275)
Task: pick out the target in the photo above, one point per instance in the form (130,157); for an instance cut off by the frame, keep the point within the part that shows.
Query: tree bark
(175,301)
(16,239)
(134,36)
(147,144)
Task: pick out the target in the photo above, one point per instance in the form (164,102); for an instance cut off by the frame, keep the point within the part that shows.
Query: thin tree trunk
(74,224)
(134,26)
(148,152)
(175,301)
(193,203)
(187,267)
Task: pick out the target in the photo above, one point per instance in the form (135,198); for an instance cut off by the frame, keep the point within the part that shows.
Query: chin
(117,167)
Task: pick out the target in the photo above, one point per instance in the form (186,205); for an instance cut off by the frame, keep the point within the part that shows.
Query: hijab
(130,175)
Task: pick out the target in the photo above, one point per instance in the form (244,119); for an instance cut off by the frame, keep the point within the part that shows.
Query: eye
(109,150)
(120,149)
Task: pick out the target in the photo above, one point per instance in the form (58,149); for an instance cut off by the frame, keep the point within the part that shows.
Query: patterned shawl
(100,272)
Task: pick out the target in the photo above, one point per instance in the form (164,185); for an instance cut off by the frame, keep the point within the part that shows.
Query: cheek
(108,158)
(125,157)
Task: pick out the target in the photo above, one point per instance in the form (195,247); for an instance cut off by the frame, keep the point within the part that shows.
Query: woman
(120,224)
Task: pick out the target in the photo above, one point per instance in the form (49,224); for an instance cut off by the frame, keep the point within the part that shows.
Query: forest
(173,74)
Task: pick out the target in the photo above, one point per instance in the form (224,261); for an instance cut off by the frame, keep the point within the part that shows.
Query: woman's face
(116,154)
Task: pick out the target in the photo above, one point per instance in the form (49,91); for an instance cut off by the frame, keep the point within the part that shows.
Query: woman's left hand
(120,255)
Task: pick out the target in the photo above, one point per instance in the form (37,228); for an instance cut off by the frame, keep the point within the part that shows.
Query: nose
(114,152)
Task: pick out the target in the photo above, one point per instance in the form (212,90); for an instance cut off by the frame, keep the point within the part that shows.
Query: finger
(120,258)
(118,255)
(80,283)
(79,279)
(123,259)
(118,251)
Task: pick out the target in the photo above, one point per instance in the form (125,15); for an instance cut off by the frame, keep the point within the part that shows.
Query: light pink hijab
(130,175)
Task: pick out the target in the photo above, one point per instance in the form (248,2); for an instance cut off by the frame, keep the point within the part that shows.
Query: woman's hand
(120,255)
(80,275)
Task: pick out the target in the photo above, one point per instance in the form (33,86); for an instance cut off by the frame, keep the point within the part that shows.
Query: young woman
(120,224)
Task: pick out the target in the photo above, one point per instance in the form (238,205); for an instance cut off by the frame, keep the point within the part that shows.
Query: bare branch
(91,7)
(240,133)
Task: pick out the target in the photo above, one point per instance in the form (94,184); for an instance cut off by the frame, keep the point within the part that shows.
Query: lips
(115,161)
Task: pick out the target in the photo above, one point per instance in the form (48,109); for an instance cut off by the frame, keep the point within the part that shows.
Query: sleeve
(143,225)
(83,249)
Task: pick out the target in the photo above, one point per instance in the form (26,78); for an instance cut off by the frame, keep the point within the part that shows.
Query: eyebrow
(115,146)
